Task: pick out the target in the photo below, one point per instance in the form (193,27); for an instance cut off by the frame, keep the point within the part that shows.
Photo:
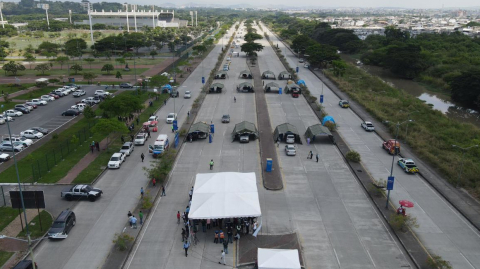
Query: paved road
(90,241)
(442,229)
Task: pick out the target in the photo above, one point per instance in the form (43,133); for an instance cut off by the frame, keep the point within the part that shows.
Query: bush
(436,262)
(55,136)
(122,241)
(353,156)
(401,223)
(330,125)
(146,201)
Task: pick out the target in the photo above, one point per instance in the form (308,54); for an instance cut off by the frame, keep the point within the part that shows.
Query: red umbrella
(406,203)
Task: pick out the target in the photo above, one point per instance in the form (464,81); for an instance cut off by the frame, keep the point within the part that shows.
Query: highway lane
(442,229)
(90,241)
(324,198)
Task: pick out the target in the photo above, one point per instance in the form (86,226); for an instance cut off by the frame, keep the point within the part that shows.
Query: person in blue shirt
(185,246)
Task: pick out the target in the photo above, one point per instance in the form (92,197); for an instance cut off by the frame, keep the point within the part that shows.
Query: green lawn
(4,257)
(7,106)
(10,88)
(35,230)
(36,93)
(8,214)
(97,166)
(55,73)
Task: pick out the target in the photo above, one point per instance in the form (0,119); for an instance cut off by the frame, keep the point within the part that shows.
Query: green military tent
(282,130)
(315,132)
(198,130)
(242,128)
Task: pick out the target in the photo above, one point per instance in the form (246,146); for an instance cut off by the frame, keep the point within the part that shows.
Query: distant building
(140,17)
(85,4)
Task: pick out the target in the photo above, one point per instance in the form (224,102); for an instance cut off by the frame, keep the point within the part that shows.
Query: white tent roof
(278,258)
(225,195)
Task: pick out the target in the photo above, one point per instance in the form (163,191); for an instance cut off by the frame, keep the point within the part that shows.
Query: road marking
(336,256)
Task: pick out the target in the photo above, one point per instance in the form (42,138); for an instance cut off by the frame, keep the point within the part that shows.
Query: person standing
(234,99)
(208,224)
(316,156)
(142,156)
(215,240)
(163,191)
(308,140)
(91,147)
(178,217)
(254,226)
(134,222)
(222,236)
(142,192)
(204,225)
(186,245)
(222,258)
(140,215)
(97,145)
(230,234)
(247,225)
(188,114)
(211,164)
(154,182)
(225,246)
(183,234)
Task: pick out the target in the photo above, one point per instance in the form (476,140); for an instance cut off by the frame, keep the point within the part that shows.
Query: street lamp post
(393,156)
(20,190)
(463,157)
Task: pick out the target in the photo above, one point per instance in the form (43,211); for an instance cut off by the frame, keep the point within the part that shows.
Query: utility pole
(126,11)
(1,14)
(90,20)
(46,7)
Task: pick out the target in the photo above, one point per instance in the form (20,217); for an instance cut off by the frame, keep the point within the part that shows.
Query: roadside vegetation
(8,215)
(34,226)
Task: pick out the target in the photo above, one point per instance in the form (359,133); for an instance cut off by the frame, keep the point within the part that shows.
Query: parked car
(171,117)
(59,92)
(30,108)
(6,118)
(71,112)
(62,225)
(47,98)
(2,121)
(38,102)
(54,95)
(290,139)
(32,134)
(290,150)
(40,129)
(4,157)
(25,264)
(174,93)
(368,126)
(12,113)
(80,107)
(153,118)
(141,138)
(126,85)
(24,141)
(74,85)
(127,148)
(226,118)
(91,100)
(22,109)
(187,95)
(79,93)
(408,165)
(301,60)
(344,104)
(81,191)
(7,146)
(102,93)
(245,138)
(116,160)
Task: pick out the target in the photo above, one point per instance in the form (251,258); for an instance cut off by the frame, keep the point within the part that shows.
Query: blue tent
(167,86)
(327,119)
(300,82)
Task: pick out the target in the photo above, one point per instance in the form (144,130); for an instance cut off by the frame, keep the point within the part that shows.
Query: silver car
(290,150)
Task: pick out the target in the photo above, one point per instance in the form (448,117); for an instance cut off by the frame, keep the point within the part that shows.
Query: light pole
(393,157)
(20,190)
(463,157)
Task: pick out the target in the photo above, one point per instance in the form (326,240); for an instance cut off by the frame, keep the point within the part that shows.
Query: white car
(127,148)
(116,160)
(12,113)
(290,150)
(101,93)
(80,107)
(5,118)
(47,98)
(141,138)
(38,102)
(245,138)
(153,118)
(290,139)
(368,126)
(171,117)
(187,95)
(79,93)
(31,134)
(7,146)
(25,141)
(2,121)
(66,92)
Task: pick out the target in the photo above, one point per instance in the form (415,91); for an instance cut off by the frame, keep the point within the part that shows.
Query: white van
(161,144)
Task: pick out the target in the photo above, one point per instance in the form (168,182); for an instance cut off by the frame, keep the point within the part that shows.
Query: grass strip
(9,105)
(8,215)
(4,257)
(34,225)
(96,167)
(36,93)
(430,136)
(11,87)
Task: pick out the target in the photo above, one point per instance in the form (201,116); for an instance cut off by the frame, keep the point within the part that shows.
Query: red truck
(392,146)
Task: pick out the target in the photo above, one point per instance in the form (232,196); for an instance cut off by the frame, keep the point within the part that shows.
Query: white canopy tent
(278,258)
(225,195)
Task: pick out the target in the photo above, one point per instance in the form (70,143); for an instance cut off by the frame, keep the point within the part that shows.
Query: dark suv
(25,264)
(62,225)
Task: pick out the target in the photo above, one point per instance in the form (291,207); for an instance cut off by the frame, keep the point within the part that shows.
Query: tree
(13,67)
(160,167)
(46,46)
(118,75)
(301,42)
(121,105)
(171,46)
(90,61)
(405,60)
(394,34)
(108,68)
(74,47)
(466,87)
(251,37)
(109,126)
(153,53)
(339,68)
(89,76)
(320,54)
(158,80)
(42,68)
(62,60)
(200,49)
(76,68)
(29,58)
(88,113)
(120,60)
(250,48)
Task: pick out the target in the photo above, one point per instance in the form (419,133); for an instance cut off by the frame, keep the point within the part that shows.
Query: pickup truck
(81,191)
(38,102)
(408,165)
(392,146)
